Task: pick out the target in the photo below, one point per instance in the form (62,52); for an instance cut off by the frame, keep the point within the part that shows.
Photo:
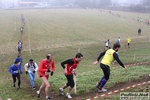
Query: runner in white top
(30,68)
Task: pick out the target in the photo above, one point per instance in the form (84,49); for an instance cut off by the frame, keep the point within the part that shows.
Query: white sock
(67,93)
(38,92)
(61,89)
(47,97)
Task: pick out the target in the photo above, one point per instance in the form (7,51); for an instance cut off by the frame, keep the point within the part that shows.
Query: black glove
(48,70)
(52,73)
(26,72)
(34,71)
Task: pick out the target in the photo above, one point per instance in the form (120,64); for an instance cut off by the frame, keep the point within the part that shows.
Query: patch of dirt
(115,87)
(84,96)
(56,96)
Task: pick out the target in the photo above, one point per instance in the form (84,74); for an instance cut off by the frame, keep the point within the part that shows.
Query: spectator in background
(139,31)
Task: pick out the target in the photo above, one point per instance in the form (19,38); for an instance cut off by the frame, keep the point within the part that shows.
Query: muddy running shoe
(18,87)
(68,96)
(14,85)
(102,90)
(48,98)
(61,91)
(97,85)
(38,94)
(33,88)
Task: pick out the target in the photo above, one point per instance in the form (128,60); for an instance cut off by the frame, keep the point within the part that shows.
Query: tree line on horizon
(84,3)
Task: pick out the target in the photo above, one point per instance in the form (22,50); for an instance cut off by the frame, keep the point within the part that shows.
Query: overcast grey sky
(127,1)
(113,1)
(9,0)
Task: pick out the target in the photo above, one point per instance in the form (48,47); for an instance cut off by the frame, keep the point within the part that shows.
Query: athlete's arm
(20,69)
(69,61)
(26,67)
(10,70)
(53,66)
(36,66)
(118,60)
(101,55)
(21,60)
(41,67)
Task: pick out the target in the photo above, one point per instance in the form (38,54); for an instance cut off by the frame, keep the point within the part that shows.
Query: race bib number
(73,71)
(17,71)
(47,73)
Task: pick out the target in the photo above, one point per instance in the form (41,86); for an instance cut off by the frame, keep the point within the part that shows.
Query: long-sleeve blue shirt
(19,59)
(14,69)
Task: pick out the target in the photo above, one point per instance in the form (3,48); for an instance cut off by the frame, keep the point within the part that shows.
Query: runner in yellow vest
(109,56)
(128,41)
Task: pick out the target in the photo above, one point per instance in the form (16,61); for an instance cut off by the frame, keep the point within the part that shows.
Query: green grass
(143,88)
(87,82)
(64,32)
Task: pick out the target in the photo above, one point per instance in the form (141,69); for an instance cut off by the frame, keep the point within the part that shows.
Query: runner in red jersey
(69,70)
(46,67)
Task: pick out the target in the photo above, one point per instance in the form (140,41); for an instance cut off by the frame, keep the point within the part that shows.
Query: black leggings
(70,80)
(128,44)
(14,78)
(106,70)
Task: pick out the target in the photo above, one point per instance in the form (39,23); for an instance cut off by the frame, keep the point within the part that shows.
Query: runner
(19,47)
(21,29)
(118,40)
(22,19)
(139,31)
(31,67)
(109,56)
(46,67)
(69,70)
(15,69)
(128,41)
(107,44)
(19,60)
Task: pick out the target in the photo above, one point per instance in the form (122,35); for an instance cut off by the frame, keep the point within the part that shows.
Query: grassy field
(64,32)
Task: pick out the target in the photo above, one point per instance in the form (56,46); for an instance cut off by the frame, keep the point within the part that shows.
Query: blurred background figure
(19,47)
(128,42)
(139,31)
(107,44)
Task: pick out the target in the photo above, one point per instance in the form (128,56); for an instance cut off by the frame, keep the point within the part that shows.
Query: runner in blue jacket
(15,69)
(19,59)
